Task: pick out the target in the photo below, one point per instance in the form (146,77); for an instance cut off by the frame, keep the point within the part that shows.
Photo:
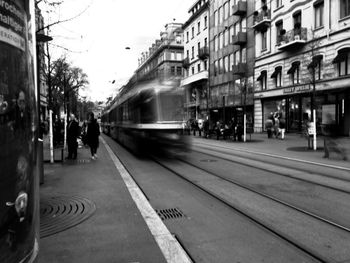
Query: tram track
(290,238)
(338,182)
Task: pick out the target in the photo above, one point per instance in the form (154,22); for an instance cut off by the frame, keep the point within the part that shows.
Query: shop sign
(296,89)
(12,24)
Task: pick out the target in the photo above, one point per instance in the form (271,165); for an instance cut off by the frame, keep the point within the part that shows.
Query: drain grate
(170,213)
(208,160)
(58,213)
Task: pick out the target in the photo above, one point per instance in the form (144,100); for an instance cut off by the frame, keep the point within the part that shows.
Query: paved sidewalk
(116,232)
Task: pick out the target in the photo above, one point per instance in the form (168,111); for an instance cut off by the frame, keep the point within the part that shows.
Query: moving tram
(148,117)
(19,180)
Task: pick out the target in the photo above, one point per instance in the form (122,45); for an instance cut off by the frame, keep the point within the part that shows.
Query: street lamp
(40,38)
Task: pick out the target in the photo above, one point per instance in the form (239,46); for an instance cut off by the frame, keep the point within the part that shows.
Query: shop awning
(294,66)
(275,73)
(315,61)
(342,55)
(262,75)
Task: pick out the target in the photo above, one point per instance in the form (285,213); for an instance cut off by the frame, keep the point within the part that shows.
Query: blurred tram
(19,131)
(148,117)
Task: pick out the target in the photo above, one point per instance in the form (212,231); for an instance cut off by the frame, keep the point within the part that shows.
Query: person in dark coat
(72,135)
(93,131)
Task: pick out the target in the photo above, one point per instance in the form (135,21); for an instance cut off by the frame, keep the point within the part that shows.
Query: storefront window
(273,106)
(294,114)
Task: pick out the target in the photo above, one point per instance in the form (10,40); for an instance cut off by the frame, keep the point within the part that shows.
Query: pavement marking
(281,157)
(170,247)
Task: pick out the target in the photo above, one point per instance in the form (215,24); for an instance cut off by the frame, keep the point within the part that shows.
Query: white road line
(170,247)
(279,156)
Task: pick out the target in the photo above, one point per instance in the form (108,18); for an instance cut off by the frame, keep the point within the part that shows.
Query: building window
(192,53)
(226,10)
(205,42)
(172,70)
(221,38)
(205,22)
(226,64)
(319,14)
(179,71)
(199,46)
(205,65)
(232,61)
(294,72)
(263,79)
(220,66)
(192,32)
(277,75)
(187,53)
(226,37)
(232,32)
(216,21)
(199,67)
(199,27)
(237,57)
(187,36)
(278,3)
(344,8)
(244,55)
(344,64)
(215,68)
(318,71)
(192,68)
(279,33)
(297,19)
(221,15)
(216,43)
(263,40)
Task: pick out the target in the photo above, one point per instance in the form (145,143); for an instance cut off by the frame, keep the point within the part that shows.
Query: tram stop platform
(88,215)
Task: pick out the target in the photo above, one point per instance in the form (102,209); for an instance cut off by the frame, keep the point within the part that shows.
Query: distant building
(302,62)
(196,61)
(231,42)
(163,60)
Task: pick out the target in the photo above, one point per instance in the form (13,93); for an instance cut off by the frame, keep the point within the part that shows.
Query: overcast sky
(97,38)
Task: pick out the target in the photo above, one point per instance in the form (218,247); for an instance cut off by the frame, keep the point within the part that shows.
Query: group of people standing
(89,133)
(275,125)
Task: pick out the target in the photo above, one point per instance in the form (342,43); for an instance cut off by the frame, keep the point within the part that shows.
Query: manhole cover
(170,213)
(208,160)
(58,213)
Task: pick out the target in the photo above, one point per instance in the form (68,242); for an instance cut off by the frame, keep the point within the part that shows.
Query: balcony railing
(203,53)
(262,19)
(293,38)
(240,38)
(186,63)
(240,8)
(239,69)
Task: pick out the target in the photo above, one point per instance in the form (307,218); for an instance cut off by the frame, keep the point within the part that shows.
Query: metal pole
(51,137)
(314,136)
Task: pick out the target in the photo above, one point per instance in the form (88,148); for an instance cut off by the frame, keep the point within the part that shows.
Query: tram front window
(171,107)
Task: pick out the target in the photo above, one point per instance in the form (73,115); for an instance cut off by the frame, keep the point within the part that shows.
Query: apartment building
(231,42)
(302,63)
(164,58)
(196,61)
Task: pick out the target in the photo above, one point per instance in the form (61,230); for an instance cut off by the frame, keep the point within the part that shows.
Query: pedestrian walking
(269,124)
(282,127)
(234,128)
(72,135)
(93,131)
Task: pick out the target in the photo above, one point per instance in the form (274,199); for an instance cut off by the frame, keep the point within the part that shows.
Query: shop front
(332,107)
